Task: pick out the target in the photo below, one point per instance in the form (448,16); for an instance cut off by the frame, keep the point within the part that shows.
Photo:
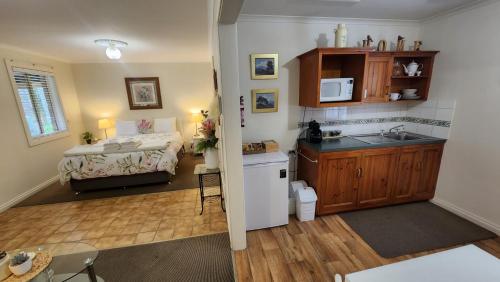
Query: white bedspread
(157,152)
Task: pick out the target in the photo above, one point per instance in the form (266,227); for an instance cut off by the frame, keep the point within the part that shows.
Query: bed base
(123,181)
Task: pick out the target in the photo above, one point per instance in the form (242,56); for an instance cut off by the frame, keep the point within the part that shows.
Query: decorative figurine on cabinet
(401,43)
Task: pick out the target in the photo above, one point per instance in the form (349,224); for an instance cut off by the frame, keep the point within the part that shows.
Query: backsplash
(432,117)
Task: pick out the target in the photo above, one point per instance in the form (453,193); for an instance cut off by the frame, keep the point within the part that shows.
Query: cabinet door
(428,171)
(339,182)
(377,176)
(407,174)
(378,79)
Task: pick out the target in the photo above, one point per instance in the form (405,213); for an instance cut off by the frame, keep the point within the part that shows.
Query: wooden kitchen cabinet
(428,168)
(407,174)
(378,79)
(350,180)
(378,167)
(340,172)
(376,74)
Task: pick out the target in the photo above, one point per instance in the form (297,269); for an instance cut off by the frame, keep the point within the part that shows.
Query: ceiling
(156,30)
(373,9)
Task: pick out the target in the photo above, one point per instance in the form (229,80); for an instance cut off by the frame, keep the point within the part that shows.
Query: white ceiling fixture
(112,47)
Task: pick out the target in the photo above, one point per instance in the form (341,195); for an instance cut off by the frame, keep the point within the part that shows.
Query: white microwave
(336,89)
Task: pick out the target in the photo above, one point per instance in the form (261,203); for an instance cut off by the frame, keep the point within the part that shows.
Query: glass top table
(69,262)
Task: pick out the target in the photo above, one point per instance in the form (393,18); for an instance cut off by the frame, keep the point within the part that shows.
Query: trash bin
(306,203)
(294,186)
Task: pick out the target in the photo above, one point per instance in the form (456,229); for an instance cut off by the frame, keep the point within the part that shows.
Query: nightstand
(196,140)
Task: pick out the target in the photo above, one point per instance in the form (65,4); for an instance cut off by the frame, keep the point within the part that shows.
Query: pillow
(145,126)
(126,128)
(165,125)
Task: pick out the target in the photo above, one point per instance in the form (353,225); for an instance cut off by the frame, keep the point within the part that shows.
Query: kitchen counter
(349,143)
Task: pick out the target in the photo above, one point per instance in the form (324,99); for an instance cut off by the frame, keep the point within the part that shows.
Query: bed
(92,167)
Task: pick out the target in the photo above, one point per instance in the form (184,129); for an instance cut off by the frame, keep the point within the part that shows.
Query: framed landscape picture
(265,100)
(143,93)
(264,66)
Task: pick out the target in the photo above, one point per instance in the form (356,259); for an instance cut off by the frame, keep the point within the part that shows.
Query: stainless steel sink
(377,138)
(403,136)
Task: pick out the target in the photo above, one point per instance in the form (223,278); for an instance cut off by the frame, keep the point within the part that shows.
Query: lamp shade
(104,123)
(197,117)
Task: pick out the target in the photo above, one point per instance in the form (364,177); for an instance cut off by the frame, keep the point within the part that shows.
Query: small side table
(202,172)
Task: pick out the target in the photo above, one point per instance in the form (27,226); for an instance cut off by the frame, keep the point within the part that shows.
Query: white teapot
(412,68)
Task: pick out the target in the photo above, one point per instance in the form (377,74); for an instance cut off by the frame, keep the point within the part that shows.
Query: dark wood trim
(155,80)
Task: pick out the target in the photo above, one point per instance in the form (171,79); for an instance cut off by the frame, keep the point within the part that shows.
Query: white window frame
(37,140)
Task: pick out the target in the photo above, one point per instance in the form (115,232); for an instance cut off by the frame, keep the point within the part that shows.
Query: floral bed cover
(102,165)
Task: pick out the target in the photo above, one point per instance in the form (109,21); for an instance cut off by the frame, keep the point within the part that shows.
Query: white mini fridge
(266,190)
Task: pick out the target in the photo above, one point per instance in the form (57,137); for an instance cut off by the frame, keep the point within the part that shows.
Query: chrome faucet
(397,128)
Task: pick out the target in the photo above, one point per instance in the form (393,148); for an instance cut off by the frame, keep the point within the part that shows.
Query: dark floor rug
(205,258)
(410,228)
(57,193)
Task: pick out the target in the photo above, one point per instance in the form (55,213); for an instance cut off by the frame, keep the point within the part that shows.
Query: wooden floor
(314,251)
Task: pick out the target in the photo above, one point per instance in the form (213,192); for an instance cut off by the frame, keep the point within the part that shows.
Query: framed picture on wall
(264,66)
(143,93)
(265,100)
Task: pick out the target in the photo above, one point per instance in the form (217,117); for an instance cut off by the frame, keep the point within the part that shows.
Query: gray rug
(205,258)
(57,193)
(411,228)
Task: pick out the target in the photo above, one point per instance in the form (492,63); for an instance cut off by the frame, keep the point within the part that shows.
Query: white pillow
(126,128)
(165,125)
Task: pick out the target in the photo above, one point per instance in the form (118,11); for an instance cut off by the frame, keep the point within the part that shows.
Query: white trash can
(306,204)
(294,186)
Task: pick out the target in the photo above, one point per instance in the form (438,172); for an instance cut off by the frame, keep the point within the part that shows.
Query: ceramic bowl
(21,269)
(409,91)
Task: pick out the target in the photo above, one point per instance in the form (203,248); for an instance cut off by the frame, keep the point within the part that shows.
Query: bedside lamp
(197,117)
(104,124)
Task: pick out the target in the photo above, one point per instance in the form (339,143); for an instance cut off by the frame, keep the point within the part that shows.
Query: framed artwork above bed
(143,93)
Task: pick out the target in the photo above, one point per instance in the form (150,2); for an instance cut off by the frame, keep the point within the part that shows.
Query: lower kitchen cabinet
(341,172)
(357,179)
(377,176)
(428,168)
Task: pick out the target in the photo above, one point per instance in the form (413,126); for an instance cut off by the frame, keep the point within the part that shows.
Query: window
(38,100)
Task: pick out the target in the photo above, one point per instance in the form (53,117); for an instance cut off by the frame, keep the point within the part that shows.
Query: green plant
(87,135)
(19,259)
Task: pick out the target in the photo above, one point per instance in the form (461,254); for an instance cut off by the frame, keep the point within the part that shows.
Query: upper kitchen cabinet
(378,78)
(371,75)
(402,78)
(328,63)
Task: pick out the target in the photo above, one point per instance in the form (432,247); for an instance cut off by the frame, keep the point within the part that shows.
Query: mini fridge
(266,190)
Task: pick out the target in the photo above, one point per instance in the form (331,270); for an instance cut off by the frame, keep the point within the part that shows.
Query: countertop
(348,144)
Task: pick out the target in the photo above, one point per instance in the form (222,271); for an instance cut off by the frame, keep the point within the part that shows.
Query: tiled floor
(113,222)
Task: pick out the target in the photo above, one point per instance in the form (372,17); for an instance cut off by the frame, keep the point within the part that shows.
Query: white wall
(468,71)
(23,169)
(290,37)
(185,87)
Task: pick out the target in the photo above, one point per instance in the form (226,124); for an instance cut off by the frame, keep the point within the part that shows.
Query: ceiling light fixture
(112,47)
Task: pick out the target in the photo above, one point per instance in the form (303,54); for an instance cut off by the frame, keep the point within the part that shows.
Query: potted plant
(208,145)
(87,137)
(20,264)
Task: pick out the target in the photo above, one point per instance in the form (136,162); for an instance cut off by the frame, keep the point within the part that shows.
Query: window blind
(40,102)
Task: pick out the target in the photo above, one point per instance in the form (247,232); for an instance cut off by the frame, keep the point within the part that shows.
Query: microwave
(336,89)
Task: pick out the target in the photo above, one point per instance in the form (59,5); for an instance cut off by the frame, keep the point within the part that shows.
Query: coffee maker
(313,133)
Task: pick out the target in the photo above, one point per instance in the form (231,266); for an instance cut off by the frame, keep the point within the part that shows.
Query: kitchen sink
(377,138)
(403,136)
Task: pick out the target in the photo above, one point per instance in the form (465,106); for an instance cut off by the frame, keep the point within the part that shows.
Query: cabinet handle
(305,157)
(366,93)
(419,166)
(359,173)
